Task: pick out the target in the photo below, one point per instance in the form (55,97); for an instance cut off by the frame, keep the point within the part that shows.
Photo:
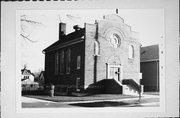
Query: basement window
(78,84)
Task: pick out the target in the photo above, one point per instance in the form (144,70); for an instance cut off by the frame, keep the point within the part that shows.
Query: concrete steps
(131,87)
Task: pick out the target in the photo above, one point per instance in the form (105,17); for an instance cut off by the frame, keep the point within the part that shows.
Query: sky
(147,22)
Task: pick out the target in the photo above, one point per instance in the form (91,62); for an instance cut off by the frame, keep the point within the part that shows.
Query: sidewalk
(91,98)
(100,100)
(97,97)
(125,99)
(146,101)
(32,100)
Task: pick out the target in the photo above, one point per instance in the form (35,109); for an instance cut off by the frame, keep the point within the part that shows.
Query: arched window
(56,62)
(62,62)
(96,48)
(131,51)
(68,61)
(78,62)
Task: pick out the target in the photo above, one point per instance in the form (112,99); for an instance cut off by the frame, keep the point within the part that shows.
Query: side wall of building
(49,68)
(65,80)
(150,77)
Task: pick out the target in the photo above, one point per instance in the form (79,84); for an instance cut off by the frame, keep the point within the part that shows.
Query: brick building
(96,58)
(150,67)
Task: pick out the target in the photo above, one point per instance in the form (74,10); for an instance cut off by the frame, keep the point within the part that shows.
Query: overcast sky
(147,22)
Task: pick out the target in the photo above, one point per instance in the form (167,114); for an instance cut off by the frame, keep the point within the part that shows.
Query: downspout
(95,55)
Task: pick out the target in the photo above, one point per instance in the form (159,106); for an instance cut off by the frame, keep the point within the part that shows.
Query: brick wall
(131,67)
(89,52)
(150,75)
(67,80)
(108,54)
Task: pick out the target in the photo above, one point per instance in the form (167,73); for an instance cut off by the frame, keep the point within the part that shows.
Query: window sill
(68,73)
(96,55)
(61,73)
(131,58)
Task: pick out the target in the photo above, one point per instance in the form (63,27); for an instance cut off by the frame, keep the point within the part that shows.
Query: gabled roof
(41,74)
(26,72)
(70,37)
(149,53)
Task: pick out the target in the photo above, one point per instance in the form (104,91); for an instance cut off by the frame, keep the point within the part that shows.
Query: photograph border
(169,48)
(20,109)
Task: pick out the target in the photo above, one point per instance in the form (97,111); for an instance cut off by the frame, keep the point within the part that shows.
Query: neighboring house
(150,67)
(96,58)
(27,81)
(26,74)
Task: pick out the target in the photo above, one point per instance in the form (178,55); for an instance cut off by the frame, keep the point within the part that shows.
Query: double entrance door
(114,72)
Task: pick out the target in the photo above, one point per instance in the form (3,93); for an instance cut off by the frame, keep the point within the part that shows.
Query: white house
(27,81)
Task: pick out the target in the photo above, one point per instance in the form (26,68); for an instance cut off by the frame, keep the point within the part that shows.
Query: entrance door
(114,72)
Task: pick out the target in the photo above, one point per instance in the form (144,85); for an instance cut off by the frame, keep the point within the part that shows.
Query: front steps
(115,87)
(131,87)
(105,86)
(129,91)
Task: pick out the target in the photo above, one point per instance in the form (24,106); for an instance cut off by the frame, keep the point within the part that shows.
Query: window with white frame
(56,63)
(131,51)
(62,62)
(26,77)
(78,62)
(78,84)
(96,48)
(68,61)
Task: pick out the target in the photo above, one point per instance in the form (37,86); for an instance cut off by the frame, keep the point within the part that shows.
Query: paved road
(147,101)
(37,103)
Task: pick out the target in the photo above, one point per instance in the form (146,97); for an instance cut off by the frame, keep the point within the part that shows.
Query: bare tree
(27,27)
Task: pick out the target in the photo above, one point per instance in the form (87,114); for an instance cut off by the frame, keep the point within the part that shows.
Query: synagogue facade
(96,58)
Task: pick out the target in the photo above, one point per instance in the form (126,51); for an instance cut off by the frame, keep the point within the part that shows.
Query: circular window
(114,40)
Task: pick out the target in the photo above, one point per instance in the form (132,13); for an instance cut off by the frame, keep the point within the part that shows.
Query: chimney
(76,27)
(62,30)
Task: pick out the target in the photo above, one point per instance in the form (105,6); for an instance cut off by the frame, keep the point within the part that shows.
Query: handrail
(132,83)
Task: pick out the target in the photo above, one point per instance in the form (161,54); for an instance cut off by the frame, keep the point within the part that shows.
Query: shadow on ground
(101,104)
(129,103)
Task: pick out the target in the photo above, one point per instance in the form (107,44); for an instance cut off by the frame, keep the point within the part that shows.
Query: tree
(27,27)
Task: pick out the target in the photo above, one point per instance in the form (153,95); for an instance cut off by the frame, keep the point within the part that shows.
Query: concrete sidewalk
(147,100)
(32,100)
(82,98)
(119,100)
